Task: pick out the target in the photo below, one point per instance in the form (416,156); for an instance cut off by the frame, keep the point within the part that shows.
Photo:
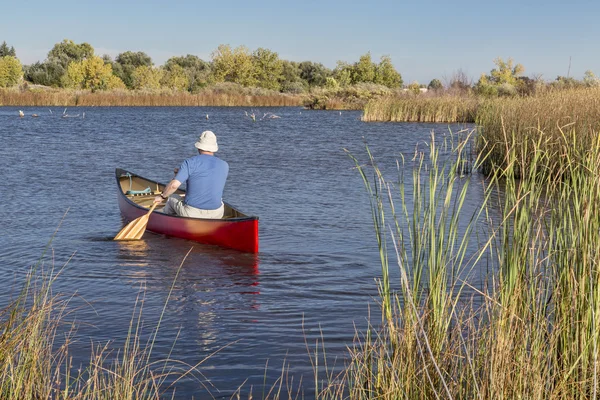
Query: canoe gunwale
(119,172)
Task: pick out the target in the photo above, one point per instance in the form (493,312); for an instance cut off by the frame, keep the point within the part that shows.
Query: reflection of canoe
(236,230)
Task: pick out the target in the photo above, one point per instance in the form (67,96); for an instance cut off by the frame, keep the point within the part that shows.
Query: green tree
(48,73)
(175,78)
(68,51)
(11,71)
(314,74)
(233,65)
(268,68)
(197,70)
(145,77)
(331,83)
(290,80)
(435,84)
(343,73)
(386,74)
(127,63)
(7,51)
(364,70)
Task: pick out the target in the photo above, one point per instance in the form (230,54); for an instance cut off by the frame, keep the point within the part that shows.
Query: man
(205,176)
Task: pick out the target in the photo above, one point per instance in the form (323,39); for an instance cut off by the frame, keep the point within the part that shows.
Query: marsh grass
(35,362)
(221,95)
(532,330)
(560,121)
(421,108)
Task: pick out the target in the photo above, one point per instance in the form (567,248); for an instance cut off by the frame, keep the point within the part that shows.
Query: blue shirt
(205,178)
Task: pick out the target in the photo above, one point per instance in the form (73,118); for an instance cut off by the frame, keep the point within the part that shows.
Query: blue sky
(426,39)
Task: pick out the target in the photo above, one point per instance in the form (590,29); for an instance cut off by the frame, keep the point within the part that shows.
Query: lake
(248,317)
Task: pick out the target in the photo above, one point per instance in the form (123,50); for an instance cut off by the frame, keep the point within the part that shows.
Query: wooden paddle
(136,228)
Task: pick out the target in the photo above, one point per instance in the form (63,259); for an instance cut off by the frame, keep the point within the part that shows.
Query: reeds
(532,330)
(411,108)
(561,120)
(209,97)
(34,353)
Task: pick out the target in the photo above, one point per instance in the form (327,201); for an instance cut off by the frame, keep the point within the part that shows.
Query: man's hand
(158,199)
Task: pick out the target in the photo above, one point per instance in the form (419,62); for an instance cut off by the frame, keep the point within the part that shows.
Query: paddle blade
(136,228)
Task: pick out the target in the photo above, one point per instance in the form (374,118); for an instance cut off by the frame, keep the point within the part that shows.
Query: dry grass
(210,97)
(420,108)
(550,119)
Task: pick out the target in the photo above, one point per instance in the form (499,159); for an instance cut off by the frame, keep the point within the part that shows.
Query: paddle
(136,228)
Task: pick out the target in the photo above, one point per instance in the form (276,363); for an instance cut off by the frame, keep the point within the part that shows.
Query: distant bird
(21,113)
(50,111)
(206,116)
(34,115)
(340,113)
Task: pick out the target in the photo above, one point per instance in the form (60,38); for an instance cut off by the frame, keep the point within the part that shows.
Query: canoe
(235,230)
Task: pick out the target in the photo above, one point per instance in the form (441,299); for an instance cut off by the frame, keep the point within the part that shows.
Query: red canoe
(235,230)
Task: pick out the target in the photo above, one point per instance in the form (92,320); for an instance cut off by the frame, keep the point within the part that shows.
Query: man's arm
(169,190)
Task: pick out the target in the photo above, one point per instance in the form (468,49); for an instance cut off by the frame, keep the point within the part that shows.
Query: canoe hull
(236,233)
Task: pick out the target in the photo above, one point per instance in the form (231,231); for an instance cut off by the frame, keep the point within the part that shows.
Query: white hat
(207,142)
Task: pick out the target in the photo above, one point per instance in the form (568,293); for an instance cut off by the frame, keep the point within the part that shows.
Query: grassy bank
(532,331)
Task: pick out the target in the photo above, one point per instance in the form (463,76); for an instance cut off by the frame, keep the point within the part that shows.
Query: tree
(590,79)
(197,70)
(435,84)
(128,62)
(92,73)
(145,77)
(48,73)
(6,51)
(233,65)
(364,70)
(343,73)
(268,68)
(503,79)
(11,71)
(175,78)
(386,74)
(68,51)
(414,87)
(290,80)
(314,74)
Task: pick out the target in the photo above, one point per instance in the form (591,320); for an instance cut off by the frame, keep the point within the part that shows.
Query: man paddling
(205,175)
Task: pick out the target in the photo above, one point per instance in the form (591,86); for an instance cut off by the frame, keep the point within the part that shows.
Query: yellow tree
(175,78)
(502,80)
(92,73)
(145,77)
(233,65)
(11,71)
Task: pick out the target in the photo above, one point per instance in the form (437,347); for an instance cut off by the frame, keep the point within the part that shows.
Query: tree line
(76,66)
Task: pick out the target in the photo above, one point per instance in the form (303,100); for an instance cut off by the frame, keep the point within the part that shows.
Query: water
(313,278)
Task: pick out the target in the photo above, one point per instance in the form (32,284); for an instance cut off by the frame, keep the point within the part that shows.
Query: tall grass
(561,120)
(217,96)
(35,362)
(410,108)
(532,330)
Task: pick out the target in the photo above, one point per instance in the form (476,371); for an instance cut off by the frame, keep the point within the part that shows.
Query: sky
(425,39)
